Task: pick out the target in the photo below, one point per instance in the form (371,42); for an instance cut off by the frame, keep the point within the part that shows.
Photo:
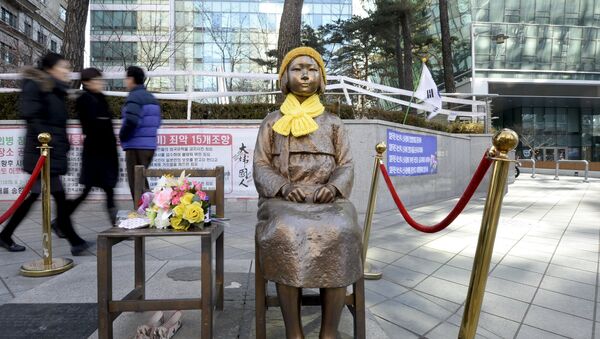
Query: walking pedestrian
(43,107)
(99,159)
(141,120)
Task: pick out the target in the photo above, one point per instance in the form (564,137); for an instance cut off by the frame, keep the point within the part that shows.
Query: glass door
(549,154)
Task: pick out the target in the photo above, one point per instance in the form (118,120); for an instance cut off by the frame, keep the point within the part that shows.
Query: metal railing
(587,166)
(339,85)
(532,165)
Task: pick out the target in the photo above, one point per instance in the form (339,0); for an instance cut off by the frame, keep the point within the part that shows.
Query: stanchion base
(370,272)
(37,268)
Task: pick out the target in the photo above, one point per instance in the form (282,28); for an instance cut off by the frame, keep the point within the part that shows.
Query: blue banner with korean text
(411,154)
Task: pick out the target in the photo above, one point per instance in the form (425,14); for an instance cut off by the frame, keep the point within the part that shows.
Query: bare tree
(74,39)
(290,28)
(228,37)
(151,44)
(446,48)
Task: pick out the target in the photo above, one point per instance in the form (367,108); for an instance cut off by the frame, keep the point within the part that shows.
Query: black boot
(11,246)
(56,229)
(112,214)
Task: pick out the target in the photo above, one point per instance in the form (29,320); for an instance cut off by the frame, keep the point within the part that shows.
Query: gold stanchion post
(47,265)
(504,142)
(370,274)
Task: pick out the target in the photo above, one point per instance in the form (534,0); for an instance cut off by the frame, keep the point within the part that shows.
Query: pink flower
(176,197)
(185,187)
(201,195)
(198,186)
(162,199)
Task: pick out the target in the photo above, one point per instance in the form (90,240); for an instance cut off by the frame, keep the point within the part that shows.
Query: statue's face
(304,76)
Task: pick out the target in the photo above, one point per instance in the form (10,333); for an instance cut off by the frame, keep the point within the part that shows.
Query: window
(110,21)
(53,46)
(62,13)
(28,29)
(113,52)
(6,54)
(42,38)
(9,17)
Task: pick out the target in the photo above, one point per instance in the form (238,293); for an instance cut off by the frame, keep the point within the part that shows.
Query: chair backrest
(216,196)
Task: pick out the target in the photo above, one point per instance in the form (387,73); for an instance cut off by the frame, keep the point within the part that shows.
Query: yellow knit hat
(302,51)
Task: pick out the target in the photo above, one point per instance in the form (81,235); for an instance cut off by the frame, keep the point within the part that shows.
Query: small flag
(428,92)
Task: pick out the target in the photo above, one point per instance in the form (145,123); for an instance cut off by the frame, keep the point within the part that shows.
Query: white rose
(162,218)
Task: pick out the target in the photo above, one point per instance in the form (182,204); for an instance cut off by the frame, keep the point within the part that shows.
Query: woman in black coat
(99,160)
(43,106)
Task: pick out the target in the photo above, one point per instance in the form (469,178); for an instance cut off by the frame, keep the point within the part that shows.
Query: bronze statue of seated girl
(307,232)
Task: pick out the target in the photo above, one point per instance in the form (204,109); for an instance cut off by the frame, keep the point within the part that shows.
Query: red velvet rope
(26,189)
(478,176)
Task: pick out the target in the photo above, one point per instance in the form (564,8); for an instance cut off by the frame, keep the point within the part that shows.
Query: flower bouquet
(175,202)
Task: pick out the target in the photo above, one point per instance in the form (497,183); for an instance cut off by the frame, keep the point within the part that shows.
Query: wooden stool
(354,301)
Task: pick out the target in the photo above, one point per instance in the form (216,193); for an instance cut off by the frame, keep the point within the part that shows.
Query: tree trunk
(407,42)
(74,41)
(446,48)
(399,56)
(290,28)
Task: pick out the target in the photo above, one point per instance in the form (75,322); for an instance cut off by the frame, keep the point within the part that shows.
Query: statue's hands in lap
(292,193)
(325,194)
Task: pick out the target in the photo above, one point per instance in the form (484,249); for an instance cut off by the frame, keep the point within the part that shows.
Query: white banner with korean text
(190,146)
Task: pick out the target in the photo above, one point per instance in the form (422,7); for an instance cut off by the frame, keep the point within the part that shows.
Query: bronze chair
(355,302)
(217,196)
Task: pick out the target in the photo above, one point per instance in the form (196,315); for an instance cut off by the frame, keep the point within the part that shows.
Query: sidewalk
(543,281)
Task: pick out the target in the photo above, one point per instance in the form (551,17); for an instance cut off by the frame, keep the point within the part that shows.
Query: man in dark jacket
(141,120)
(43,106)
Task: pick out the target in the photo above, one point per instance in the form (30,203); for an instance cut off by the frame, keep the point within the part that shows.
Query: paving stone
(569,287)
(564,303)
(395,331)
(385,287)
(423,304)
(572,274)
(496,326)
(417,264)
(528,332)
(443,289)
(559,323)
(461,261)
(443,331)
(526,264)
(404,277)
(405,316)
(451,243)
(510,289)
(373,298)
(454,274)
(575,263)
(432,255)
(504,307)
(383,255)
(517,275)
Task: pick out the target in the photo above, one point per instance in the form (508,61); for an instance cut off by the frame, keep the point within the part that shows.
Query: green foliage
(176,109)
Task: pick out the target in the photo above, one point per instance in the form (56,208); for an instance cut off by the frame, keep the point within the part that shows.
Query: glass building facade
(195,35)
(539,60)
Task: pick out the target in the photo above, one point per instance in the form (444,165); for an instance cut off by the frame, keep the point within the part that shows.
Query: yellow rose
(175,222)
(178,210)
(194,213)
(187,198)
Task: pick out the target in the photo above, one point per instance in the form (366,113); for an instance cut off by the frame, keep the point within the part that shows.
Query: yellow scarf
(298,118)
